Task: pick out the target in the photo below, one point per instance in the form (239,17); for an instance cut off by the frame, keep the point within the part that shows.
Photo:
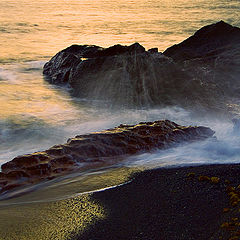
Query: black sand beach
(179,203)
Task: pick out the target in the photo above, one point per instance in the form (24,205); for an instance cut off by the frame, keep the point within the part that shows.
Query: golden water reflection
(29,96)
(34,29)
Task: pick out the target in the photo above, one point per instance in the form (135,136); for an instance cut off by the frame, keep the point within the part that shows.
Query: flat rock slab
(96,150)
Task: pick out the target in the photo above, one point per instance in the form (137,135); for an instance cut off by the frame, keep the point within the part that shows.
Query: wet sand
(179,203)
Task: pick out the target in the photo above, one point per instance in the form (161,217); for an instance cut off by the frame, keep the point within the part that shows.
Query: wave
(223,149)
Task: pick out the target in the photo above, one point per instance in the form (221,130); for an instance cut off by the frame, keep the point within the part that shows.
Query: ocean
(35,115)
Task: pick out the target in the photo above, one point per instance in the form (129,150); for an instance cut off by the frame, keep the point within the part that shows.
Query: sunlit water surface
(35,115)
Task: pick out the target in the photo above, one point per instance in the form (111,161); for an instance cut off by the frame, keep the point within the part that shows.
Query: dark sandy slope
(172,204)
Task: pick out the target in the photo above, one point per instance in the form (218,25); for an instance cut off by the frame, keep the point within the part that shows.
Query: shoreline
(170,203)
(187,202)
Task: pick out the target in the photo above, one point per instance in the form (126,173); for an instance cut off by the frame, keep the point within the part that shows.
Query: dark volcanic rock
(201,72)
(57,70)
(96,150)
(209,41)
(123,75)
(212,55)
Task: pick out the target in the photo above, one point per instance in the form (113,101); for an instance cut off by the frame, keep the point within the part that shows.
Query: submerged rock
(96,150)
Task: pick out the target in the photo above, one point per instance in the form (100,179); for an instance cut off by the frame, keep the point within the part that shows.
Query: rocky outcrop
(60,68)
(212,56)
(202,71)
(209,41)
(96,150)
(125,76)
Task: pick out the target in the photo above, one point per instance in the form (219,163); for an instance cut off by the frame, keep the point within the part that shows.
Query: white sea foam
(224,148)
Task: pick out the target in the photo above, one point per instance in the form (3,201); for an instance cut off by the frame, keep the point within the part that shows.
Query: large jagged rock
(124,76)
(212,55)
(60,68)
(96,150)
(209,41)
(201,72)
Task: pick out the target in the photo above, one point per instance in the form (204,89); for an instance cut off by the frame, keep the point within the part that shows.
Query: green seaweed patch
(203,178)
(209,179)
(234,195)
